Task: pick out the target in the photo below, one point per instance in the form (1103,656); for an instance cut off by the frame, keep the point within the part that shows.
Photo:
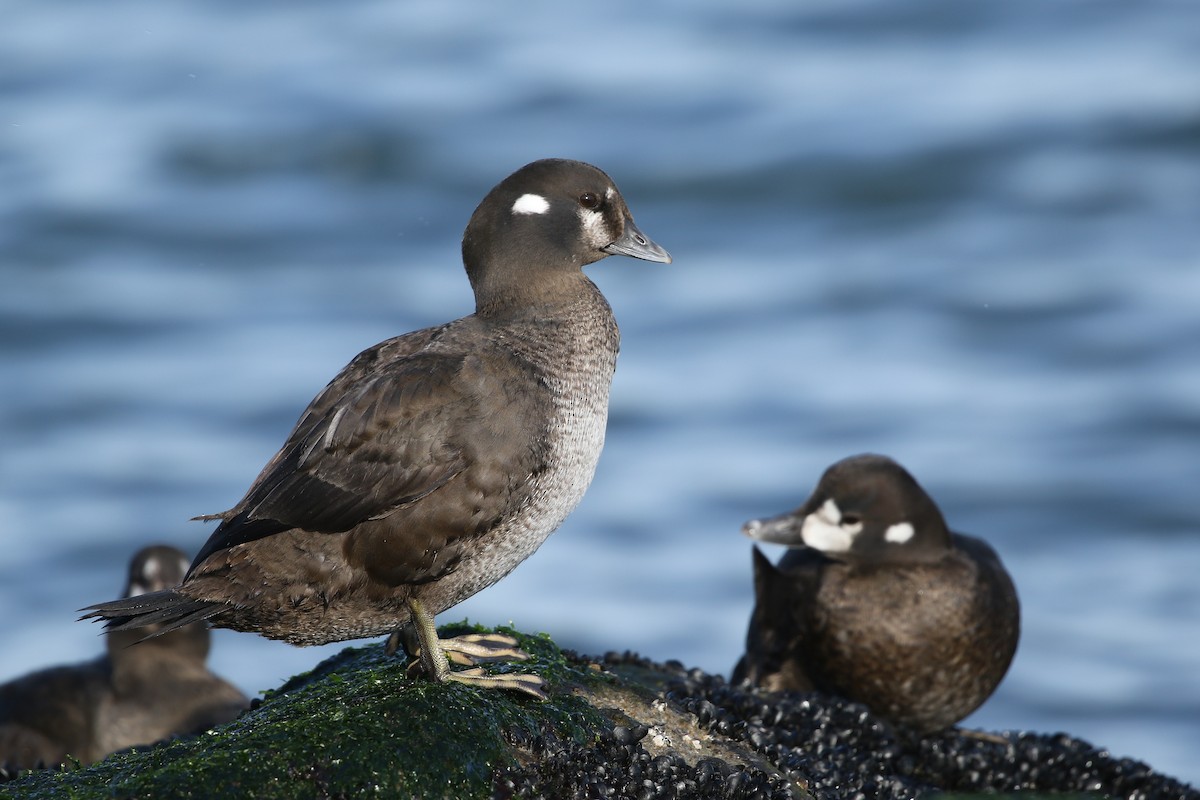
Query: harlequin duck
(436,461)
(878,602)
(131,696)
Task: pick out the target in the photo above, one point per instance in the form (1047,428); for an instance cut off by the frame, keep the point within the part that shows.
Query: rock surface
(620,726)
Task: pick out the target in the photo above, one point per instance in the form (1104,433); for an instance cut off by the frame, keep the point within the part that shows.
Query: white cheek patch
(899,533)
(820,535)
(152,576)
(595,228)
(531,204)
(823,529)
(152,570)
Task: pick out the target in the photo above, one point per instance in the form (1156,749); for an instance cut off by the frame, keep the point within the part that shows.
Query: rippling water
(962,235)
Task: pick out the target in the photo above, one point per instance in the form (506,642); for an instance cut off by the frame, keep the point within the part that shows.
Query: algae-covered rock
(621,726)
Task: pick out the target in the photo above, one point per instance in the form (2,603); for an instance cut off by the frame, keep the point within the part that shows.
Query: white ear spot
(531,204)
(136,588)
(823,529)
(899,533)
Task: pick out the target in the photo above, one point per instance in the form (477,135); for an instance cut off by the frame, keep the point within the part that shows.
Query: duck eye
(850,519)
(589,200)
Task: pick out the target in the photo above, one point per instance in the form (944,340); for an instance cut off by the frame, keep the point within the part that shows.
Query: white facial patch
(151,571)
(824,530)
(152,575)
(531,204)
(899,533)
(595,228)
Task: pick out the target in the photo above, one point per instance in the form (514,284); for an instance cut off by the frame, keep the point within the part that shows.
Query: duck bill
(637,244)
(775,530)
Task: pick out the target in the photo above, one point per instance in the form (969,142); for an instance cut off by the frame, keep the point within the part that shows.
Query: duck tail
(166,610)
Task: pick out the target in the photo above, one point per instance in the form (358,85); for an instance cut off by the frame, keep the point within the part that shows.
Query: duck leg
(434,655)
(467,650)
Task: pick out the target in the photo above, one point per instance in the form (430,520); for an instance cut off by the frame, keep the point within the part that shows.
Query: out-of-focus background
(965,235)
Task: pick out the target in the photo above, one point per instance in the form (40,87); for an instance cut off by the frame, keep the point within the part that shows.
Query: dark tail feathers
(166,611)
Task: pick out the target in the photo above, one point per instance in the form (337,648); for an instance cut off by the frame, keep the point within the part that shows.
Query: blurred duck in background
(143,690)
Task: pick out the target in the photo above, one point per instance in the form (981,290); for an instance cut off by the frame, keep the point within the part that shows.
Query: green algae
(356,725)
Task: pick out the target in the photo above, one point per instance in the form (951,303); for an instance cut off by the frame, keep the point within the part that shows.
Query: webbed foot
(431,655)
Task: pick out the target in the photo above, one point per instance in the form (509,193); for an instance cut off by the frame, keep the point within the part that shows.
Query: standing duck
(436,461)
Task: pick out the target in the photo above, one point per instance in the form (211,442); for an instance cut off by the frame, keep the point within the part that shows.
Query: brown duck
(437,461)
(879,602)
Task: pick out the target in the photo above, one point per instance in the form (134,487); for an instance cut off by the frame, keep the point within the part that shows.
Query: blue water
(965,235)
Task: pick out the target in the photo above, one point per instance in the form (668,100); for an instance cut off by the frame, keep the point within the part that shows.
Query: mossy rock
(620,726)
(355,724)
(358,723)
